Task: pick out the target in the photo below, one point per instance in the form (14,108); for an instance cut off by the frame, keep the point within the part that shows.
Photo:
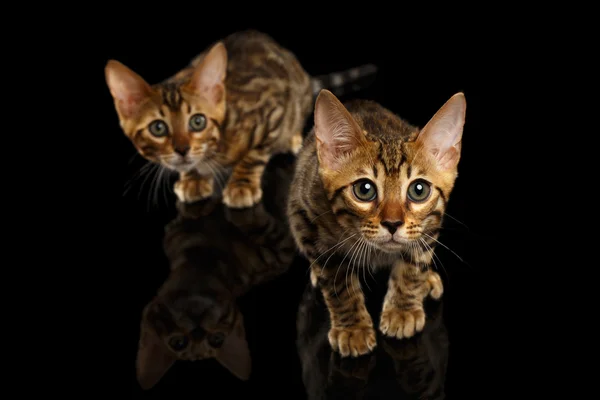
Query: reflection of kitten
(419,364)
(216,255)
(240,102)
(370,191)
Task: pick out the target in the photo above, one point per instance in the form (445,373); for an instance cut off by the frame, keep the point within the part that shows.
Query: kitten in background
(237,104)
(370,191)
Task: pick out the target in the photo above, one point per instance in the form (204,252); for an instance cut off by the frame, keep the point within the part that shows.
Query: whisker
(339,243)
(455,219)
(218,173)
(151,173)
(352,263)
(340,265)
(446,247)
(143,171)
(318,216)
(363,262)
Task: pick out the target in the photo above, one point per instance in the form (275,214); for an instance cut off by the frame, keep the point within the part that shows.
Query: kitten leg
(192,187)
(243,188)
(403,314)
(351,331)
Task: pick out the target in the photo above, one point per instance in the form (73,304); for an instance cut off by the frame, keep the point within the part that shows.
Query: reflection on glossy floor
(235,314)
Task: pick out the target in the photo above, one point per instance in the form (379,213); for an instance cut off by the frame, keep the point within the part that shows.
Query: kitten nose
(182,150)
(391,226)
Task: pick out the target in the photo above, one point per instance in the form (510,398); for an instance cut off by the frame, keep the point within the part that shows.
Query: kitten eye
(419,191)
(178,342)
(197,122)
(216,340)
(158,128)
(364,190)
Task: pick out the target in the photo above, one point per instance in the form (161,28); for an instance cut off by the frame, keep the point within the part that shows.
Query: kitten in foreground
(370,191)
(236,105)
(216,255)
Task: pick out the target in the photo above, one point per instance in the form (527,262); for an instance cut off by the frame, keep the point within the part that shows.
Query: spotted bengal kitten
(369,191)
(216,255)
(237,104)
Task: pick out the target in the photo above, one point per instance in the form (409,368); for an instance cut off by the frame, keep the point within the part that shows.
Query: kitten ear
(153,358)
(235,354)
(336,131)
(208,79)
(442,135)
(128,89)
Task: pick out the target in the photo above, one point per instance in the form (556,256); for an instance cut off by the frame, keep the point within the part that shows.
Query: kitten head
(176,124)
(182,327)
(387,180)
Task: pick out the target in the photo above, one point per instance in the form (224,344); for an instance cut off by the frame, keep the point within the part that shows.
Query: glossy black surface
(461,354)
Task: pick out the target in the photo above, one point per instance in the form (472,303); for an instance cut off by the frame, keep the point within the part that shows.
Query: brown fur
(216,255)
(343,236)
(254,96)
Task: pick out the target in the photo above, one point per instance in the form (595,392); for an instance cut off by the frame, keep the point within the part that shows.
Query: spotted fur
(223,117)
(343,235)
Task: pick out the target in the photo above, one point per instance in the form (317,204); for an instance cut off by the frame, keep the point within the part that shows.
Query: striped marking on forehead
(171,96)
(391,156)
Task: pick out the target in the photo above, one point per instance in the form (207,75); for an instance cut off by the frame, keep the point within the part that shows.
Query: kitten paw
(352,340)
(192,190)
(241,196)
(437,288)
(402,323)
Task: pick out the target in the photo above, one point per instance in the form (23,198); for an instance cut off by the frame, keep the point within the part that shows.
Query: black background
(421,65)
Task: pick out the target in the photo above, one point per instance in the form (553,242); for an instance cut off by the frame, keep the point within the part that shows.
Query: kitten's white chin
(392,246)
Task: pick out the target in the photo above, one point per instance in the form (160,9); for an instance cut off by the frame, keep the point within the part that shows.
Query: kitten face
(392,211)
(386,180)
(189,337)
(190,328)
(176,124)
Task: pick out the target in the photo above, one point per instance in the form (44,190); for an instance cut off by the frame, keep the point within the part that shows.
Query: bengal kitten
(370,190)
(216,255)
(238,103)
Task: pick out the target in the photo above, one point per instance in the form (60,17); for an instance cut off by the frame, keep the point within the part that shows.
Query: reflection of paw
(437,288)
(191,190)
(402,323)
(240,195)
(352,340)
(248,218)
(351,368)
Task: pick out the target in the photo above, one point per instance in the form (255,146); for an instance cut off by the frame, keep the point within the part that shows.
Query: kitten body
(237,104)
(370,191)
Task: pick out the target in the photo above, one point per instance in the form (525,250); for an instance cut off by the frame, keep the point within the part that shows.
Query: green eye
(178,342)
(216,340)
(158,128)
(364,190)
(419,191)
(197,122)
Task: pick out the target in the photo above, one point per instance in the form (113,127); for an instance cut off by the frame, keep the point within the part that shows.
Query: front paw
(437,288)
(400,324)
(192,190)
(352,340)
(241,195)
